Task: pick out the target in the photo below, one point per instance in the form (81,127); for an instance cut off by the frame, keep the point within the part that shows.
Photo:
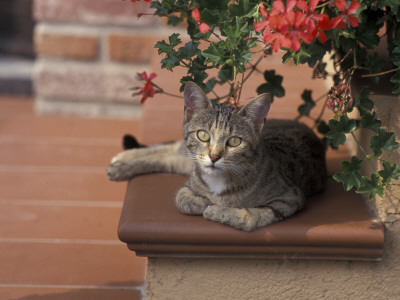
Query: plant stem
(160,90)
(381,73)
(363,151)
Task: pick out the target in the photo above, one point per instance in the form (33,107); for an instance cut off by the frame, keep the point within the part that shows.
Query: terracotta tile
(59,183)
(30,293)
(41,221)
(56,153)
(62,126)
(70,264)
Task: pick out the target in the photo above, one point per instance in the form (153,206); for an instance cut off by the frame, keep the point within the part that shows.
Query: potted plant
(234,37)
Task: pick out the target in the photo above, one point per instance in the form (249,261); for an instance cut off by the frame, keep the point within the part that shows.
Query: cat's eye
(234,141)
(203,135)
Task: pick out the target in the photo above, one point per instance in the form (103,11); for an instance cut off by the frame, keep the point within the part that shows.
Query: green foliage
(383,141)
(371,186)
(339,129)
(231,45)
(350,173)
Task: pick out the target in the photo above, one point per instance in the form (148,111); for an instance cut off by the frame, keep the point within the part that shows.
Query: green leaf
(214,54)
(367,34)
(389,172)
(371,186)
(340,128)
(236,31)
(384,140)
(273,85)
(243,8)
(349,175)
(363,103)
(309,103)
(316,52)
(209,17)
(396,80)
(371,122)
(374,65)
(323,128)
(226,73)
(189,50)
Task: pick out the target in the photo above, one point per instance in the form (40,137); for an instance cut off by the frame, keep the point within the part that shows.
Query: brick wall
(88,54)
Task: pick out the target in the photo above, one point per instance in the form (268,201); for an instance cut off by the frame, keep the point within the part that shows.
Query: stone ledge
(335,225)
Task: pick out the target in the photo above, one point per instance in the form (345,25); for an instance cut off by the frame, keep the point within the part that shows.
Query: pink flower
(147,90)
(341,22)
(203,27)
(139,0)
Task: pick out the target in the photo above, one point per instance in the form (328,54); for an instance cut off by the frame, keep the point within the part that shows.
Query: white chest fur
(216,183)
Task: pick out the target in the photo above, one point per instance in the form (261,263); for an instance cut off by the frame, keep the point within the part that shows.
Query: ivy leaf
(273,85)
(309,103)
(340,128)
(371,122)
(189,50)
(349,175)
(214,54)
(384,140)
(371,186)
(323,128)
(363,103)
(389,172)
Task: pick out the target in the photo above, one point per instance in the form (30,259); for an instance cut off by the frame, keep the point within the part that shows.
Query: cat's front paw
(239,218)
(119,171)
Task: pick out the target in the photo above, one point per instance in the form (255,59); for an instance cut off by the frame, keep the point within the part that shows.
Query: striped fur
(262,180)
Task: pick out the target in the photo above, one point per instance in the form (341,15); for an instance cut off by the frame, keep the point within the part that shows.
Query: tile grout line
(69,203)
(71,286)
(59,241)
(73,141)
(51,169)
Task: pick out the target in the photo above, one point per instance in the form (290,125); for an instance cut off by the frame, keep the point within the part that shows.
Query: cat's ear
(257,110)
(195,99)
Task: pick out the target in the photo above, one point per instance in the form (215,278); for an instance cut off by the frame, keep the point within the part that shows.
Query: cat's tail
(130,142)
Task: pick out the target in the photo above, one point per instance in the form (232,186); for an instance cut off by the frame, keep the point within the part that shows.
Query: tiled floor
(58,212)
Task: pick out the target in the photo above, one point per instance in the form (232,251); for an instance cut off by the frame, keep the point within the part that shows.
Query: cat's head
(219,137)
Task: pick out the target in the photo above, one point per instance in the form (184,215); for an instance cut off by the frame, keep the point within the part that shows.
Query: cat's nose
(214,157)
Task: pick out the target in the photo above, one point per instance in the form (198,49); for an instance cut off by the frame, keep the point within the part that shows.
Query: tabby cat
(243,171)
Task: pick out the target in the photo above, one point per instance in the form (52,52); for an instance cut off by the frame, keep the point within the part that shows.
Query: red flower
(279,7)
(323,24)
(203,27)
(147,90)
(259,26)
(341,22)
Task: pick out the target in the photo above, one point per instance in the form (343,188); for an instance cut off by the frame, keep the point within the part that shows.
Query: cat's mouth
(212,168)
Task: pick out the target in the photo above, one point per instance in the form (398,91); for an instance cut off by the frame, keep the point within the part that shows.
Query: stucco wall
(277,279)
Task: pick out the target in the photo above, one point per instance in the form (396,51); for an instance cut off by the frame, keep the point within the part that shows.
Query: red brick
(131,48)
(94,12)
(83,47)
(86,82)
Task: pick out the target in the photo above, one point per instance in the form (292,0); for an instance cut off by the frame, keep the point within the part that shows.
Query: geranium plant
(237,35)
